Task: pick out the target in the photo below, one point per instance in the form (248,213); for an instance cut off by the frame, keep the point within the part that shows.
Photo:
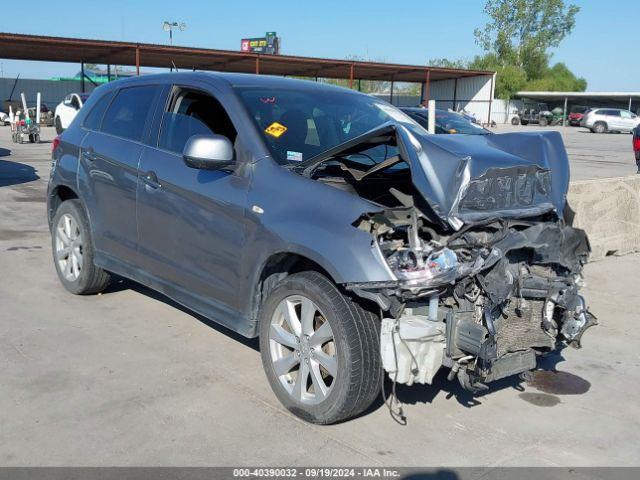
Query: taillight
(636,144)
(55,144)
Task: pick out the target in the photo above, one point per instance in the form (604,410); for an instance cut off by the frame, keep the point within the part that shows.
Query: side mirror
(208,152)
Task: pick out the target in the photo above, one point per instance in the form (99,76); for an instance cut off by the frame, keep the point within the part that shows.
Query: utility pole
(169,26)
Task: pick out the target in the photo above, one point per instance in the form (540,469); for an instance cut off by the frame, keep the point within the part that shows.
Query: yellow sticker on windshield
(275,129)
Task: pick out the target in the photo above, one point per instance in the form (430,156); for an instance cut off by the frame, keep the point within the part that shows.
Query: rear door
(192,222)
(109,169)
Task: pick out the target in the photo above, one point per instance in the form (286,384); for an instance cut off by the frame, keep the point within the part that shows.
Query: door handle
(151,179)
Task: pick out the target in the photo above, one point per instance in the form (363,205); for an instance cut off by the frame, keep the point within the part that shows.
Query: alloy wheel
(303,349)
(69,248)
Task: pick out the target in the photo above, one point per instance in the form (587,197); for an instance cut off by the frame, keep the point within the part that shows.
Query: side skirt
(212,310)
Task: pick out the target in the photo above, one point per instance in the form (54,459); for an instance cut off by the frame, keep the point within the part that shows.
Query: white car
(601,120)
(67,110)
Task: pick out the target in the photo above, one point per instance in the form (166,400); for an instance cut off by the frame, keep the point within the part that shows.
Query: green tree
(522,31)
(557,79)
(446,63)
(509,78)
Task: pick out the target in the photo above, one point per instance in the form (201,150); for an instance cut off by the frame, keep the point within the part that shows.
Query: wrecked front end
(486,270)
(484,301)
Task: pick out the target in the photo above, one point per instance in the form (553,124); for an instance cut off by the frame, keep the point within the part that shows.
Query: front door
(192,222)
(614,120)
(109,169)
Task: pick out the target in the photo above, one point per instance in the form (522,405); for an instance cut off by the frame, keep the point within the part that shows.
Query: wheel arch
(57,195)
(273,270)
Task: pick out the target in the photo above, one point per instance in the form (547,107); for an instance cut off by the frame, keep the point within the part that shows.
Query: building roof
(60,49)
(576,95)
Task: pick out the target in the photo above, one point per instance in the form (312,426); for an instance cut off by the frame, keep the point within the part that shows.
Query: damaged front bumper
(485,301)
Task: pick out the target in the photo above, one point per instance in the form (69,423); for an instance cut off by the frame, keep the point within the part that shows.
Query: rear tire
(599,127)
(73,251)
(352,354)
(515,121)
(544,122)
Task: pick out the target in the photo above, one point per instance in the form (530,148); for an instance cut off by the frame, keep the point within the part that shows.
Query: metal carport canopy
(602,97)
(77,50)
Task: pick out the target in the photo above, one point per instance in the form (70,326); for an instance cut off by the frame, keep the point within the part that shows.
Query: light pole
(169,26)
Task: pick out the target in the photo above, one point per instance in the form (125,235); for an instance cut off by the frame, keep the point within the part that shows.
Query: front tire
(515,121)
(320,349)
(73,251)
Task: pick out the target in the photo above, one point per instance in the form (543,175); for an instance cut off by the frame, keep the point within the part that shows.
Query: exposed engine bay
(487,273)
(485,301)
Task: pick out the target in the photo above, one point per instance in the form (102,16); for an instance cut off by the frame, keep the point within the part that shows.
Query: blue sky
(602,48)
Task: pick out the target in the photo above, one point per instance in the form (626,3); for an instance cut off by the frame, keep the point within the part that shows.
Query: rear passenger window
(128,113)
(193,113)
(93,120)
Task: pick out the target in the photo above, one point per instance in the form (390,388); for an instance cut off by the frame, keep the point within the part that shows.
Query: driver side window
(192,112)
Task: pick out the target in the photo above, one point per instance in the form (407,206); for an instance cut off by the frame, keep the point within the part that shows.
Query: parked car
(602,120)
(575,114)
(532,113)
(445,121)
(67,110)
(636,145)
(326,222)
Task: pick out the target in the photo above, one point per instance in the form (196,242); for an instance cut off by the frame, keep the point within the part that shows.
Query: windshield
(448,122)
(299,124)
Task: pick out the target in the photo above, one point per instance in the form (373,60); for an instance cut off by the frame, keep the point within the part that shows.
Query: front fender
(349,255)
(289,213)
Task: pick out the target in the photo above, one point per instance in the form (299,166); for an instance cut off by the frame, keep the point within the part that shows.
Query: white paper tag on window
(294,156)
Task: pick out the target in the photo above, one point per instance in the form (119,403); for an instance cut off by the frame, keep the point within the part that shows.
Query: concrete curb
(608,209)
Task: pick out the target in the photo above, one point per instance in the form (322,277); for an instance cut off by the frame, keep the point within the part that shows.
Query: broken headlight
(423,267)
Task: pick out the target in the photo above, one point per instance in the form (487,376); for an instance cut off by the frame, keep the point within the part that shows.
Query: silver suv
(601,120)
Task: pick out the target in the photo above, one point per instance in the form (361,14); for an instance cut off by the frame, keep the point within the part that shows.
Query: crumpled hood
(468,178)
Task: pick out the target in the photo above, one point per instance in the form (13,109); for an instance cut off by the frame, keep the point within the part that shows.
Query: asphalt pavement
(130,378)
